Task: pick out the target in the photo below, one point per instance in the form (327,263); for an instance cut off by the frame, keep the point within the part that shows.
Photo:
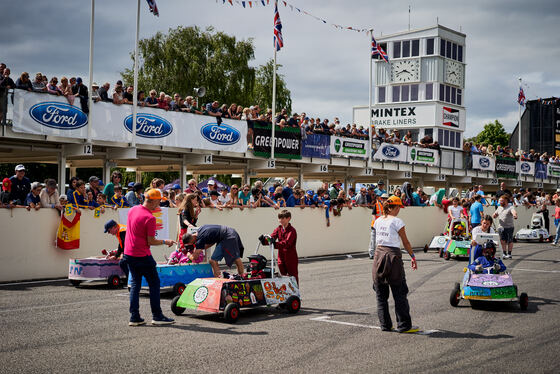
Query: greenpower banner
(554,171)
(506,167)
(426,156)
(349,147)
(287,141)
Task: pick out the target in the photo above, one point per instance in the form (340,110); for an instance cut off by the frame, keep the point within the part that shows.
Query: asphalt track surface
(54,327)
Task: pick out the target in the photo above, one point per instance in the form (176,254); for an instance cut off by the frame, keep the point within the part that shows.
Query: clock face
(454,73)
(405,71)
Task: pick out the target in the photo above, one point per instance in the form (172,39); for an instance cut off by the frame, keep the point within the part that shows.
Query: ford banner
(44,114)
(391,152)
(483,163)
(526,168)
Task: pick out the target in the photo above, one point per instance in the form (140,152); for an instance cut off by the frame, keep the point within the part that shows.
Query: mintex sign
(403,115)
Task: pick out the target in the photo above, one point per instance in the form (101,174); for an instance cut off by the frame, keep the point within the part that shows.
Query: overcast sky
(326,69)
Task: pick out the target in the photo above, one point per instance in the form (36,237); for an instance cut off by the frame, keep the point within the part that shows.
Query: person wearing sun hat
(388,270)
(141,234)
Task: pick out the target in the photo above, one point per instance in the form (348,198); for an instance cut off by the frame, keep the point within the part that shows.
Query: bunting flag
(293,8)
(376,50)
(278,40)
(521,97)
(153,7)
(68,233)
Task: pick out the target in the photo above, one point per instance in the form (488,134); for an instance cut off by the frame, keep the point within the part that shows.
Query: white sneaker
(504,256)
(554,244)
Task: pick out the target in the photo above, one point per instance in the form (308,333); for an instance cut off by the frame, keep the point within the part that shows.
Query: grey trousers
(372,244)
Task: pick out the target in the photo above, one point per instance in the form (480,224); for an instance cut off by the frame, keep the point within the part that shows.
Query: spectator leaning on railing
(50,196)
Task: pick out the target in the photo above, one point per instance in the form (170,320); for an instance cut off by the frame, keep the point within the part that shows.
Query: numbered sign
(441,178)
(518,183)
(323,168)
(271,164)
(368,171)
(207,160)
(88,149)
(493,181)
(539,185)
(407,174)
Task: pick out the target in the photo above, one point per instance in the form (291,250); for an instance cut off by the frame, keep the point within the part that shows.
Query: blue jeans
(557,224)
(143,267)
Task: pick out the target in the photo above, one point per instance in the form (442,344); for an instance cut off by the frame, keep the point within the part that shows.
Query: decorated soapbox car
(486,286)
(534,231)
(455,241)
(260,286)
(96,269)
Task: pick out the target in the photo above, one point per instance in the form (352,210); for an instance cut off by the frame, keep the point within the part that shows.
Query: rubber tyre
(426,248)
(455,296)
(440,252)
(75,282)
(114,281)
(447,255)
(514,239)
(293,304)
(523,301)
(231,313)
(178,289)
(177,310)
(541,239)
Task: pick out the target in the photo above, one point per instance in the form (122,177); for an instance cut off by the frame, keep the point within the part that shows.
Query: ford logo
(149,125)
(390,151)
(484,162)
(58,115)
(525,167)
(222,134)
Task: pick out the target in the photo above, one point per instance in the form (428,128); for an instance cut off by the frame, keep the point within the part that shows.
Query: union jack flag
(278,41)
(521,97)
(376,50)
(153,7)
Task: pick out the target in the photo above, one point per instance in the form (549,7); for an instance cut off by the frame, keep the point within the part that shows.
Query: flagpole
(272,138)
(135,92)
(519,125)
(90,97)
(370,149)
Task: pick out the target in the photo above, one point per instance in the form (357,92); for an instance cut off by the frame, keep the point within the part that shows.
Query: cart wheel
(541,239)
(177,310)
(447,255)
(293,304)
(231,312)
(426,248)
(523,301)
(455,296)
(440,252)
(178,289)
(514,239)
(75,282)
(114,281)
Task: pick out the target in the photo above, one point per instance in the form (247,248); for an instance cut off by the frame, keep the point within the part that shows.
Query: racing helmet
(257,263)
(489,249)
(536,222)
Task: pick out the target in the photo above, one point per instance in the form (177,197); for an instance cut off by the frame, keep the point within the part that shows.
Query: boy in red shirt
(285,237)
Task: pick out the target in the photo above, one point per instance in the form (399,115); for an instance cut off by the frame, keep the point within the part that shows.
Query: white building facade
(422,88)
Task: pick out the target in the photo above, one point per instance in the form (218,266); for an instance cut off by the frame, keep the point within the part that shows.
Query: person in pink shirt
(140,235)
(557,220)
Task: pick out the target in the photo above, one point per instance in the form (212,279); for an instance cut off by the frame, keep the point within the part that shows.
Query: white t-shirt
(224,199)
(387,231)
(455,211)
(478,230)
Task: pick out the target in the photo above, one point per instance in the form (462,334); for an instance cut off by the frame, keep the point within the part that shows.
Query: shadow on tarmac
(446,334)
(226,330)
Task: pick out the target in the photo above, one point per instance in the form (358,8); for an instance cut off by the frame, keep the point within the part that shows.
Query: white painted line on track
(27,308)
(33,282)
(536,270)
(329,320)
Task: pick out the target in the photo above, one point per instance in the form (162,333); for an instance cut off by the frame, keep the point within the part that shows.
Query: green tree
(493,133)
(263,88)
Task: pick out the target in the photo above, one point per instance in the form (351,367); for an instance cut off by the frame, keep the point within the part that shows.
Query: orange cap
(395,200)
(153,194)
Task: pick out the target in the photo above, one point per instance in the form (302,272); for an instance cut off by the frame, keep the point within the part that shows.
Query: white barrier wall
(28,238)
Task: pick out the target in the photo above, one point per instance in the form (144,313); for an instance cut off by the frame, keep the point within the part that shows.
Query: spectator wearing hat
(113,228)
(333,191)
(309,199)
(94,186)
(50,196)
(214,200)
(6,196)
(80,90)
(33,201)
(140,235)
(212,186)
(380,188)
(136,195)
(21,185)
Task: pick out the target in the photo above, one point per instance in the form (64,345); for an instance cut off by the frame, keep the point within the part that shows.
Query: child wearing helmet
(488,260)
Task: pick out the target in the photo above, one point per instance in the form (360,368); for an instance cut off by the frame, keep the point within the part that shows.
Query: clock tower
(422,88)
